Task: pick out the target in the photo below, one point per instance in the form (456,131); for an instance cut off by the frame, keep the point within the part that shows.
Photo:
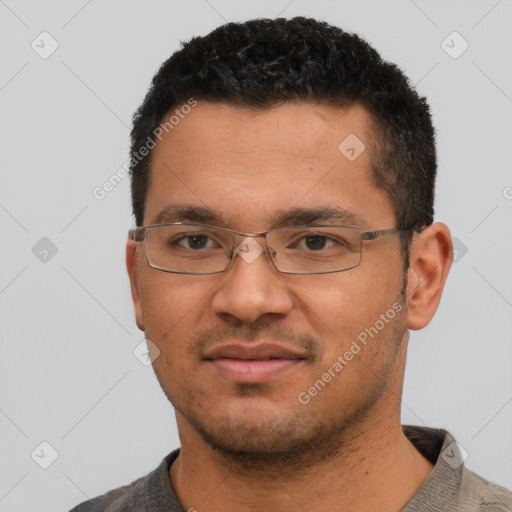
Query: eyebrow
(296,216)
(303,216)
(187,213)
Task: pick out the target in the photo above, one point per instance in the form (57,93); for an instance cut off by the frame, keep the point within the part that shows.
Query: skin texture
(255,446)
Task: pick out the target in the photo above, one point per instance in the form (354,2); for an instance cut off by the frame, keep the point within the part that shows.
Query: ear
(131,264)
(430,260)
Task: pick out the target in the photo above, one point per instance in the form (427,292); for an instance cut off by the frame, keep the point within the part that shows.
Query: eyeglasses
(183,248)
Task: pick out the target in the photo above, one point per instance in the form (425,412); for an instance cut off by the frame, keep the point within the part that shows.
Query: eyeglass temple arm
(372,235)
(137,234)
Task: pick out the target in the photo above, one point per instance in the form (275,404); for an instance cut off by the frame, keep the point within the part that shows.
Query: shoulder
(451,486)
(155,487)
(123,499)
(487,496)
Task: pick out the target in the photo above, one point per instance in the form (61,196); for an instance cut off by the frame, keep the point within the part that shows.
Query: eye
(195,241)
(315,242)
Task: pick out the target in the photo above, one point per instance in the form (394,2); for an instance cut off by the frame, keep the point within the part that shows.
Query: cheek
(171,306)
(341,307)
(172,303)
(359,325)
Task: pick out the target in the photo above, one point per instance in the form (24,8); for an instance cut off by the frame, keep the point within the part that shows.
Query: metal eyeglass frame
(138,235)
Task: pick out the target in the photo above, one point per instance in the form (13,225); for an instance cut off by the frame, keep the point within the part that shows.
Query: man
(283,185)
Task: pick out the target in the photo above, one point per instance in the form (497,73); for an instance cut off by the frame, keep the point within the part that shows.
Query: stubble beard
(299,437)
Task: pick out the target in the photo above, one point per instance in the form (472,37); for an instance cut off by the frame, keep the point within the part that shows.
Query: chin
(260,438)
(262,443)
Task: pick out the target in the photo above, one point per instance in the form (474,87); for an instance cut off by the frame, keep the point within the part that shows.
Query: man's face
(251,167)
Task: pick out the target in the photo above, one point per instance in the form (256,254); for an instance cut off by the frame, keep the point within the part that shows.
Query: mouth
(253,363)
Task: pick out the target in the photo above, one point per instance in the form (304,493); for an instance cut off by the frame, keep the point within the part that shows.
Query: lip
(252,351)
(252,363)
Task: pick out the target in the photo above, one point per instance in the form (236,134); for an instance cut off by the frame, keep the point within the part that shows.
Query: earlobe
(131,264)
(430,260)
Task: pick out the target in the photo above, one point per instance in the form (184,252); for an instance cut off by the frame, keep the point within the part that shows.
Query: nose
(252,287)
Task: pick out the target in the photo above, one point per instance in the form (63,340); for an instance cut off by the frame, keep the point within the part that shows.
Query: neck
(375,470)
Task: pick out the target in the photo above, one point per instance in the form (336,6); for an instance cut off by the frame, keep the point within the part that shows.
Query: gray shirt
(450,487)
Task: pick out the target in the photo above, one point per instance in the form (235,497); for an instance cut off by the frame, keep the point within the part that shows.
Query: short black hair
(264,62)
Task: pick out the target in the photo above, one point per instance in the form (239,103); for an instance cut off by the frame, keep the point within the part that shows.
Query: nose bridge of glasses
(249,249)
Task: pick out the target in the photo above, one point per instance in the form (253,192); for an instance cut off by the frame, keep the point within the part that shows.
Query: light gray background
(68,373)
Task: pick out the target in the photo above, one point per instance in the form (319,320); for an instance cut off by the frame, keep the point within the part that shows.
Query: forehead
(250,163)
